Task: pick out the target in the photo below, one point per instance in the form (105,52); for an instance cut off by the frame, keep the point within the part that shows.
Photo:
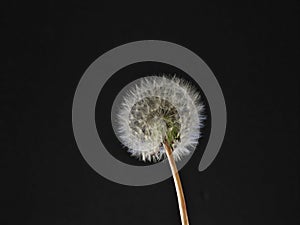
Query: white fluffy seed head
(160,108)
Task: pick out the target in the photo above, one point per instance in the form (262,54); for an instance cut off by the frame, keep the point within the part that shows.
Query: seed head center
(154,118)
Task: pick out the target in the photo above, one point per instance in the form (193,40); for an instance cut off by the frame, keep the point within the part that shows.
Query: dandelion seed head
(160,108)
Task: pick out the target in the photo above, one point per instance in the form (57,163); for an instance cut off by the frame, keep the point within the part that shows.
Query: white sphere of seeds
(158,109)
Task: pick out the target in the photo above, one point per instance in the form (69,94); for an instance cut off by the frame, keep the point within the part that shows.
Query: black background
(252,50)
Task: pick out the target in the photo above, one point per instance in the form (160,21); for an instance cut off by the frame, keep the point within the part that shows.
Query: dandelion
(161,118)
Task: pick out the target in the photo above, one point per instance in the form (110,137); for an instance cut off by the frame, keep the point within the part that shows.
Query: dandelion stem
(178,186)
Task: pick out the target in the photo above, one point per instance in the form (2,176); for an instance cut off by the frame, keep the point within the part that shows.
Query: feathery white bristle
(144,135)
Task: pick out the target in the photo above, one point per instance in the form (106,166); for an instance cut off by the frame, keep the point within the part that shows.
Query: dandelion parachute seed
(161,118)
(159,108)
